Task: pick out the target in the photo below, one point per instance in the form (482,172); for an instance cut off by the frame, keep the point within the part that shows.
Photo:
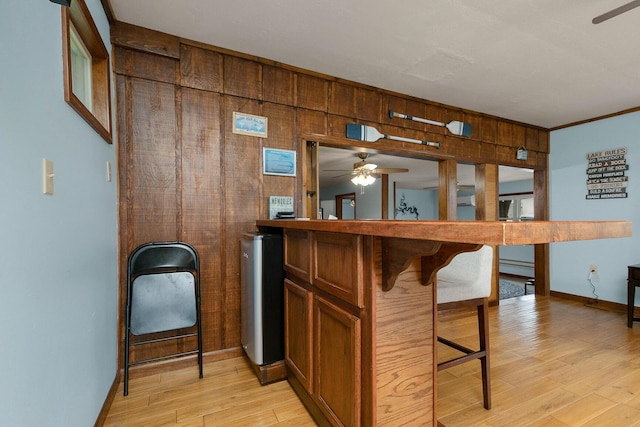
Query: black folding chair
(163,294)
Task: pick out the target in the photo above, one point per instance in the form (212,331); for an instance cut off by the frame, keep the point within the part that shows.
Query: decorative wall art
(280,204)
(278,162)
(248,124)
(405,210)
(606,174)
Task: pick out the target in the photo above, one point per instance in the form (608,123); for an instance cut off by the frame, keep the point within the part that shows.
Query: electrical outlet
(593,269)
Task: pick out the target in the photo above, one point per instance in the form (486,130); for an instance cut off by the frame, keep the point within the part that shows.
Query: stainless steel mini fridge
(262,297)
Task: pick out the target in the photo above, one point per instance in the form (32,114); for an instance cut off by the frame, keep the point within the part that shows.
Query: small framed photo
(248,124)
(278,162)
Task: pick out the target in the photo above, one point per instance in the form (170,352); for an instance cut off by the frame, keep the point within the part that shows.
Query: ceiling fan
(617,11)
(372,168)
(365,173)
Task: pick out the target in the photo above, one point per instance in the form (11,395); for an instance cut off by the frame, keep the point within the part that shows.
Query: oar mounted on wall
(455,127)
(370,134)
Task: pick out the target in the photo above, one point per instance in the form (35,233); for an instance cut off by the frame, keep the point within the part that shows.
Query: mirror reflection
(413,194)
(343,171)
(411,188)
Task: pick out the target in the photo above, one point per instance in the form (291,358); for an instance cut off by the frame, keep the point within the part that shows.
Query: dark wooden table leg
(631,298)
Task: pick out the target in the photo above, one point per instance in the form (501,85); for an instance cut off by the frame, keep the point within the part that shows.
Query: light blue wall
(368,202)
(569,262)
(425,201)
(58,259)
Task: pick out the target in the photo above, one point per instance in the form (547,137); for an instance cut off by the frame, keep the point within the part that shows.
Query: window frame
(98,115)
(86,72)
(515,198)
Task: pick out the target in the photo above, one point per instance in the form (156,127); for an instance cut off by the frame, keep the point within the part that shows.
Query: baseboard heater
(517,263)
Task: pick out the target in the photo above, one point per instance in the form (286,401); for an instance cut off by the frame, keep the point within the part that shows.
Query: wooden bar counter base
(360,308)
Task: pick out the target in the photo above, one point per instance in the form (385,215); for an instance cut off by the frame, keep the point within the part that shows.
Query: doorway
(346,206)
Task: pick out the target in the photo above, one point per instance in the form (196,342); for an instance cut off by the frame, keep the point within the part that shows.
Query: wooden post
(447,190)
(487,193)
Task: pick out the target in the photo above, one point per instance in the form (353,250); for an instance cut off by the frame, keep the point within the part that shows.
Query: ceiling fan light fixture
(363,179)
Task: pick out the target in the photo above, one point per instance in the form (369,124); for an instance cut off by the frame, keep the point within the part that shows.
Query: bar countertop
(475,232)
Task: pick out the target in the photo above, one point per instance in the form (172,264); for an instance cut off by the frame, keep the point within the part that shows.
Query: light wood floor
(553,363)
(229,395)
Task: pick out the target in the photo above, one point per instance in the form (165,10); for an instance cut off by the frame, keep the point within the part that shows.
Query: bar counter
(360,312)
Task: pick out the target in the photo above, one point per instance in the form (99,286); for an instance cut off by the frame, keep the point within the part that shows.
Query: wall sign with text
(607,174)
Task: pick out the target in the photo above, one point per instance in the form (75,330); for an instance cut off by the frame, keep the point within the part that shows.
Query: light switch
(47,176)
(108,171)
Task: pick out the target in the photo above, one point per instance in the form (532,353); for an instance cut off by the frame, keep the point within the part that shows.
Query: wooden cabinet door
(337,373)
(338,265)
(298,329)
(297,253)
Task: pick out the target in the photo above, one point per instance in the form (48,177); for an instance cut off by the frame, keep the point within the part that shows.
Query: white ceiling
(540,62)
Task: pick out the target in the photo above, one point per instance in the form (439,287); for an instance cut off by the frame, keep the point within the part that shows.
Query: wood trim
(108,11)
(447,190)
(108,401)
(589,302)
(487,183)
(347,196)
(270,373)
(100,118)
(541,213)
(369,363)
(595,119)
(310,182)
(145,40)
(385,197)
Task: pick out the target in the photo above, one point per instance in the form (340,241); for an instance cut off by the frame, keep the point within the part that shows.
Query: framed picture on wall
(278,162)
(248,124)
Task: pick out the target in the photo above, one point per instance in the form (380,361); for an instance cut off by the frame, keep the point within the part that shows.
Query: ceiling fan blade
(390,170)
(346,174)
(367,166)
(615,12)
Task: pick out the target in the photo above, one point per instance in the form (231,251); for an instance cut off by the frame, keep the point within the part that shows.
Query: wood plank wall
(184,175)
